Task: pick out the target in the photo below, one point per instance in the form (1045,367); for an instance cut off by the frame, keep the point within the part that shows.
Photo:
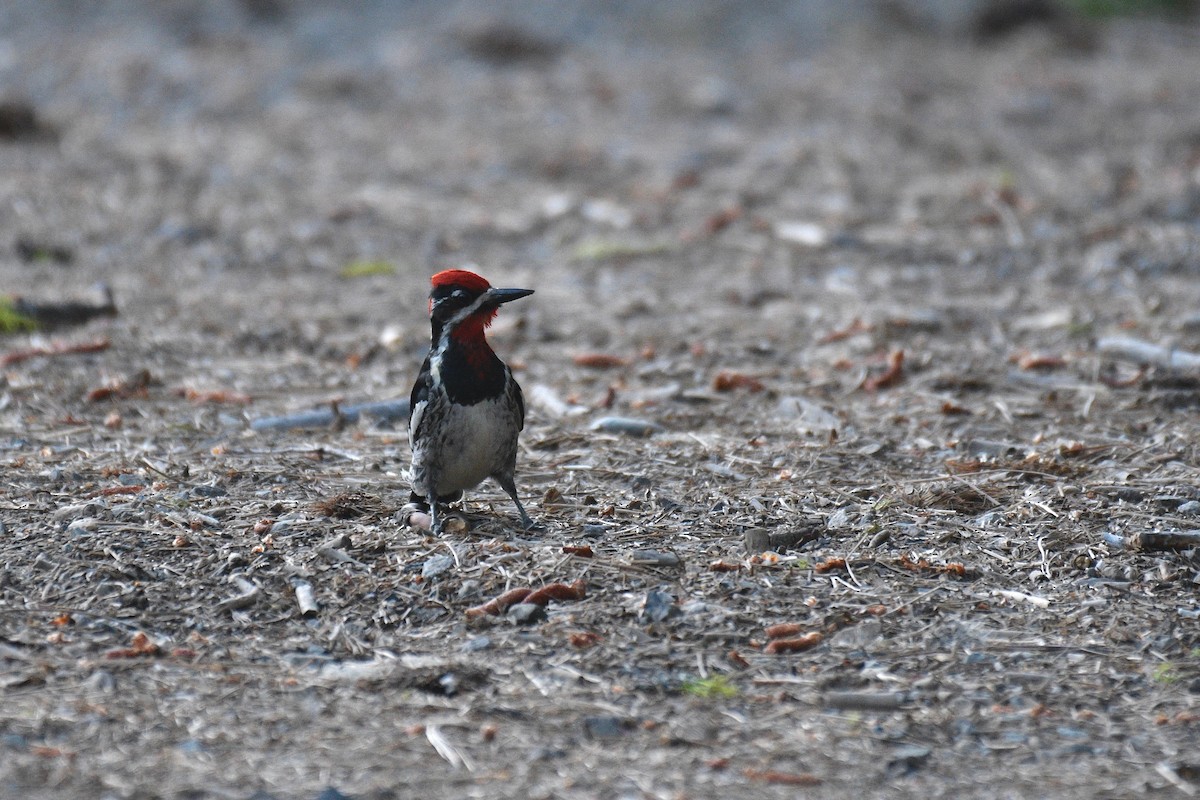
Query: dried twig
(759,540)
(554,591)
(864,701)
(453,756)
(384,411)
(889,377)
(247,597)
(50,315)
(305,598)
(1154,541)
(1138,352)
(54,349)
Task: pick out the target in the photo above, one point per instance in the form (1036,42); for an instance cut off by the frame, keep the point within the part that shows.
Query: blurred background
(289,173)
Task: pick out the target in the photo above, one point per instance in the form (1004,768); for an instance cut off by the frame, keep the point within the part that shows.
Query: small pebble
(658,606)
(527,613)
(436,565)
(604,727)
(417,519)
(449,684)
(908,758)
(654,558)
(1191,507)
(476,644)
(595,531)
(101,681)
(625,425)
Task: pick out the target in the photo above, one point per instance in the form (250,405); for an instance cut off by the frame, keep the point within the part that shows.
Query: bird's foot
(415,515)
(453,523)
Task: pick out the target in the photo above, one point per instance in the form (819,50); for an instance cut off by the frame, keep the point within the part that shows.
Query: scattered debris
(305,598)
(759,540)
(807,234)
(214,396)
(1139,352)
(797,644)
(1154,541)
(538,597)
(599,360)
(889,377)
(248,596)
(658,606)
(122,388)
(366,269)
(501,43)
(385,411)
(626,425)
(140,647)
(54,349)
(726,380)
(20,122)
(782,778)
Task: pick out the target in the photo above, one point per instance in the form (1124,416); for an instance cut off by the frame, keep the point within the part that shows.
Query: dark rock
(658,606)
(527,613)
(604,727)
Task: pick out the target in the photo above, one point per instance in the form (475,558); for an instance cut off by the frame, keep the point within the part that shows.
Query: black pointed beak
(499,296)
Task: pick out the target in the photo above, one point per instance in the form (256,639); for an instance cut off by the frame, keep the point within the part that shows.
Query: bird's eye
(459,294)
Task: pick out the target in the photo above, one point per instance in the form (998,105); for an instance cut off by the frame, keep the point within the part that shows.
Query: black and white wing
(419,399)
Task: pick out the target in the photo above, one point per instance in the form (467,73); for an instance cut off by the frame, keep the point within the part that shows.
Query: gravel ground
(905,321)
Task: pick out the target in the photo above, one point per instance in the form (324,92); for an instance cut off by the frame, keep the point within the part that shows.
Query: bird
(466,409)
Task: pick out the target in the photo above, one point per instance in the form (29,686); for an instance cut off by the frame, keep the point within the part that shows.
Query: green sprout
(12,320)
(716,687)
(365,269)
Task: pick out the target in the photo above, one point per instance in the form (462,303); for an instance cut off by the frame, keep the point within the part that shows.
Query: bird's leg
(435,519)
(525,520)
(510,488)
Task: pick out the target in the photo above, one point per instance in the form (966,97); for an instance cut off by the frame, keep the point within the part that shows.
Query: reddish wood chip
(54,349)
(889,377)
(581,550)
(783,630)
(726,381)
(140,646)
(557,591)
(723,566)
(797,645)
(599,360)
(784,778)
(584,639)
(1028,361)
(540,597)
(855,327)
(830,564)
(954,409)
(499,605)
(135,385)
(214,396)
(722,219)
(959,466)
(109,491)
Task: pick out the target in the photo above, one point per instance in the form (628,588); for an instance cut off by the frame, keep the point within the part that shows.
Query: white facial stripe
(468,311)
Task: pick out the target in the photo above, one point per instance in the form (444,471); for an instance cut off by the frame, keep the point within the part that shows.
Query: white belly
(476,441)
